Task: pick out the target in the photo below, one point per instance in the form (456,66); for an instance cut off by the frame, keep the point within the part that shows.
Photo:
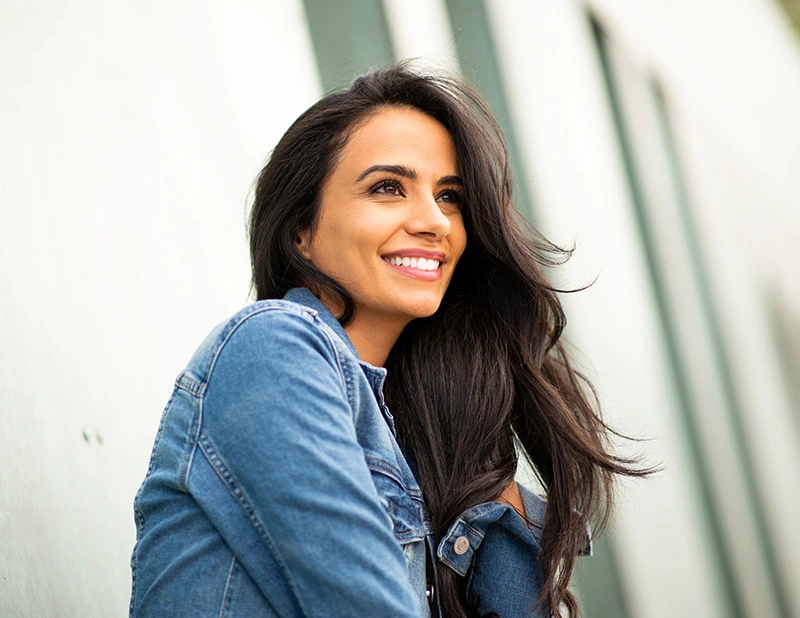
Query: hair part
(485,379)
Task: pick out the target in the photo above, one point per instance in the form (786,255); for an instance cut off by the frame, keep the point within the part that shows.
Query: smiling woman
(347,445)
(390,233)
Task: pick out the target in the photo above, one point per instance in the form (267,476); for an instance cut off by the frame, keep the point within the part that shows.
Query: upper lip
(439,256)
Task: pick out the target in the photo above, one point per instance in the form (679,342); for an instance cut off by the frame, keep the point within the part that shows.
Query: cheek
(363,238)
(331,241)
(347,252)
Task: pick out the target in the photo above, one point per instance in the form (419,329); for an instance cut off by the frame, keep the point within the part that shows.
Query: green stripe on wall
(350,37)
(736,414)
(598,582)
(700,467)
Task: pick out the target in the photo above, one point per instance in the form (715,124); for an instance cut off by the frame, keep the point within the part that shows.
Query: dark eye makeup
(393,187)
(387,186)
(452,196)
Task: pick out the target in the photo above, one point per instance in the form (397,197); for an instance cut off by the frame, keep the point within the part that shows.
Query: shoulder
(278,332)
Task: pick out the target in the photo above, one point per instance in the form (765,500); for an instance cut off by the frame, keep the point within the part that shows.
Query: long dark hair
(486,378)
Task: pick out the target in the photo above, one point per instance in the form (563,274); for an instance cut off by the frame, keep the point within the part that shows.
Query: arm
(277,430)
(501,563)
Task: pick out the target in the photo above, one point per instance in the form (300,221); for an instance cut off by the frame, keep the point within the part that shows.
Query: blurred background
(661,137)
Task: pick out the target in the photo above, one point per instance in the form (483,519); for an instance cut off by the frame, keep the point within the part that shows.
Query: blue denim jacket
(276,488)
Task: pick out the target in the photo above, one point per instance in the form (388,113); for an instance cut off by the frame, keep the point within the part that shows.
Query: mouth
(424,265)
(420,263)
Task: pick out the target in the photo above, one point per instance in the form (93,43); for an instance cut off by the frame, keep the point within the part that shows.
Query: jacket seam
(137,512)
(229,480)
(189,384)
(384,467)
(473,530)
(344,374)
(227,587)
(234,328)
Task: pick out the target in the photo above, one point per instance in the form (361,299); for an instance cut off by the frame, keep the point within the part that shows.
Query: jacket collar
(375,375)
(304,296)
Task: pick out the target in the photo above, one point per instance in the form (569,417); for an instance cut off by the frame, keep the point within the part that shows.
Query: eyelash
(458,196)
(386,183)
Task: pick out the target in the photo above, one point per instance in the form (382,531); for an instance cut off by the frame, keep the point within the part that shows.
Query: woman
(347,445)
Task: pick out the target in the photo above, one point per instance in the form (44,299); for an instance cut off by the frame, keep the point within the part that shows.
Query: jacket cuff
(457,548)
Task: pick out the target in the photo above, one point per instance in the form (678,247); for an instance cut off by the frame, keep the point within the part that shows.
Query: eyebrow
(451,180)
(407,172)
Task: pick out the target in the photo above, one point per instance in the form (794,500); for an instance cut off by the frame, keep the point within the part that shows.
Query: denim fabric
(498,556)
(276,488)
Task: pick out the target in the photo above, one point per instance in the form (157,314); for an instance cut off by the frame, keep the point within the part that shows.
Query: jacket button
(461,545)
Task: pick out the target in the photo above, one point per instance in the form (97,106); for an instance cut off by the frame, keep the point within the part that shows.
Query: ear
(303,242)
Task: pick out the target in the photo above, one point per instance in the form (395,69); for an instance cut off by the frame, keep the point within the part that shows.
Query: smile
(418,263)
(415,267)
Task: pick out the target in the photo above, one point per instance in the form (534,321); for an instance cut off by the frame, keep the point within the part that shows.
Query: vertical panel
(709,406)
(599,583)
(785,328)
(736,214)
(350,37)
(659,540)
(766,534)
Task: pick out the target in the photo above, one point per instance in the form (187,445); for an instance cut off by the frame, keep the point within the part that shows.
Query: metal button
(429,594)
(461,545)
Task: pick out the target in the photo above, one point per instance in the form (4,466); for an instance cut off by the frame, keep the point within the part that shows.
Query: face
(390,228)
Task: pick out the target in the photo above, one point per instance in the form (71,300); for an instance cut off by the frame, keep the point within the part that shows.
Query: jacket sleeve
(278,446)
(498,553)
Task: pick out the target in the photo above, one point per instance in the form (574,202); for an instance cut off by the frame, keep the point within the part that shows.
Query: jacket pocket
(402,504)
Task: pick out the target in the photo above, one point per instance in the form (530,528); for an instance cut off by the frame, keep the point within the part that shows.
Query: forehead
(403,136)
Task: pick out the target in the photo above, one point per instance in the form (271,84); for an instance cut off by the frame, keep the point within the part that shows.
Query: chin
(423,308)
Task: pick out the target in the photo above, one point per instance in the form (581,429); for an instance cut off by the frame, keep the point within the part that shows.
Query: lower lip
(424,275)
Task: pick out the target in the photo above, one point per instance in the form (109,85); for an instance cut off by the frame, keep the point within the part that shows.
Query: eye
(452,196)
(387,187)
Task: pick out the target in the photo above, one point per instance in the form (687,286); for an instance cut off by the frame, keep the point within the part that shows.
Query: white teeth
(418,263)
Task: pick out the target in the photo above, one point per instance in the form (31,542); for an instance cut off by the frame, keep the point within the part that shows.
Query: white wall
(565,129)
(731,72)
(420,31)
(130,135)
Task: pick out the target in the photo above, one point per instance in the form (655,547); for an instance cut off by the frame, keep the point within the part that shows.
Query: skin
(366,216)
(395,192)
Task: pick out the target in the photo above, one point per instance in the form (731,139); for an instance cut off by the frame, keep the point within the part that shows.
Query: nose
(425,217)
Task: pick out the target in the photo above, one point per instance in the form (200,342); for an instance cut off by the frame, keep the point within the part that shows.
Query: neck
(374,336)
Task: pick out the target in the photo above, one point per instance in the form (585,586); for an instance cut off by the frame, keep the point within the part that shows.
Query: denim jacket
(276,488)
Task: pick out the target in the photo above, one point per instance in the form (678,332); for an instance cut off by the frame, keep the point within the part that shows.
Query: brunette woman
(347,445)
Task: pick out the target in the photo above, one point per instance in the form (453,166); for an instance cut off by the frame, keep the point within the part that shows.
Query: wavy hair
(486,379)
